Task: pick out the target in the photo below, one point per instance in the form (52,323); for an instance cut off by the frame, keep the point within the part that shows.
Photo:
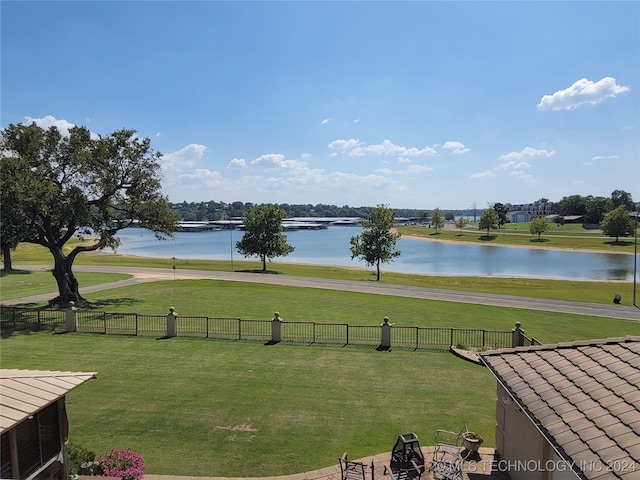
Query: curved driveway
(141,275)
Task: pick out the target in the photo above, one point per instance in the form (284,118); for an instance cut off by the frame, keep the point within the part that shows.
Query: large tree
(489,220)
(263,235)
(77,184)
(377,242)
(618,223)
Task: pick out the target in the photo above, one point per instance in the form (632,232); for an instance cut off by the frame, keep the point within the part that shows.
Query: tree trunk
(264,263)
(6,257)
(68,288)
(378,271)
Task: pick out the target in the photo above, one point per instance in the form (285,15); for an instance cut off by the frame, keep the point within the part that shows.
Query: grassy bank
(569,237)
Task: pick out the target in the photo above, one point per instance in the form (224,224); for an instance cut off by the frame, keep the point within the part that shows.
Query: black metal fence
(311,333)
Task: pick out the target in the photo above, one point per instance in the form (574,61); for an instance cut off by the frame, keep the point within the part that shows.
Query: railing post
(517,336)
(71,317)
(172,324)
(276,328)
(385,334)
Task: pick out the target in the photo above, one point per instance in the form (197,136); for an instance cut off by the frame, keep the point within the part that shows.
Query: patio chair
(351,470)
(447,460)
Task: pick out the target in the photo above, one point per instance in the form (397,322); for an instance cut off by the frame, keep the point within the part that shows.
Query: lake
(331,247)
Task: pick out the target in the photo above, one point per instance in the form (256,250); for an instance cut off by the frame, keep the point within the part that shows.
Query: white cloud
(512,164)
(384,171)
(276,160)
(325,121)
(51,121)
(63,126)
(581,92)
(237,163)
(185,157)
(342,144)
(455,147)
(391,149)
(485,174)
(527,152)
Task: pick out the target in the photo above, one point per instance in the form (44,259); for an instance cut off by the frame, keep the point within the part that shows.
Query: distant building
(518,217)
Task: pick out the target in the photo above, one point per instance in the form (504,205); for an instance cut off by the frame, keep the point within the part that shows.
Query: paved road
(141,275)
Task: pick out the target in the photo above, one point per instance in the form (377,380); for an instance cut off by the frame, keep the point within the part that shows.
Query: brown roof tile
(585,397)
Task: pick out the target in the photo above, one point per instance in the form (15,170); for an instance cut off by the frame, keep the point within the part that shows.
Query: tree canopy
(437,219)
(618,223)
(538,226)
(80,183)
(263,235)
(377,242)
(489,220)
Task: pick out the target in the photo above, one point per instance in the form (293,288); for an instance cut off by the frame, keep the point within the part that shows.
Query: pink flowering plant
(122,463)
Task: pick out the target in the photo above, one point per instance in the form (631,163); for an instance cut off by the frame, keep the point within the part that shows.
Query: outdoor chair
(447,460)
(351,470)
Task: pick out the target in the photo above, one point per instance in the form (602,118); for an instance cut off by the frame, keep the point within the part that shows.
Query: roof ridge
(562,345)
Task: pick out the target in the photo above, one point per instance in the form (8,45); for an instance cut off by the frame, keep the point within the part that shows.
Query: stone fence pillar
(385,334)
(71,316)
(172,323)
(517,336)
(276,328)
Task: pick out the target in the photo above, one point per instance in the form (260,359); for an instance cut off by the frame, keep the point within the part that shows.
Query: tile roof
(25,392)
(584,397)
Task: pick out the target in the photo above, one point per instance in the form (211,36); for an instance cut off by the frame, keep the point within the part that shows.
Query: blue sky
(408,104)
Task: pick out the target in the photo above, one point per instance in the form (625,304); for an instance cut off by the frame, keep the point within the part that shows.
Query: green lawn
(216,408)
(24,283)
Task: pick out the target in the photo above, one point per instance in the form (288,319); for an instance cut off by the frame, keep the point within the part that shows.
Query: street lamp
(635,259)
(231,242)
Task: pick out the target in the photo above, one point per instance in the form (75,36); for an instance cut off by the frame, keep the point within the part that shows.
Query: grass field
(569,236)
(217,408)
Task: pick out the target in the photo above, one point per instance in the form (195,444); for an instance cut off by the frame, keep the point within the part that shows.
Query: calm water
(331,247)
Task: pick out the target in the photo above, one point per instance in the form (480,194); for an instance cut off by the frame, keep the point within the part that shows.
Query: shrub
(122,463)
(78,455)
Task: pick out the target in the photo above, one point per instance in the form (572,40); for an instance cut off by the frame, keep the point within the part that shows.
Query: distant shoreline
(538,247)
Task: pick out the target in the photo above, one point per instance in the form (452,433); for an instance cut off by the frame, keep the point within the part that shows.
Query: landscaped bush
(122,463)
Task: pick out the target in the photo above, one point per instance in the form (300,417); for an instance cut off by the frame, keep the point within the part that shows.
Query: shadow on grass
(265,272)
(539,240)
(619,243)
(111,302)
(6,273)
(487,238)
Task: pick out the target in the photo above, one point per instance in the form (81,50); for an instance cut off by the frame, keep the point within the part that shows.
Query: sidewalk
(473,470)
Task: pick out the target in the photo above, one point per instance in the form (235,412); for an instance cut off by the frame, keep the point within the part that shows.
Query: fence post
(276,328)
(385,334)
(72,317)
(172,324)
(517,336)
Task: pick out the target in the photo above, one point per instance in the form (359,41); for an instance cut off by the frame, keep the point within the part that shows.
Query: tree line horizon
(592,208)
